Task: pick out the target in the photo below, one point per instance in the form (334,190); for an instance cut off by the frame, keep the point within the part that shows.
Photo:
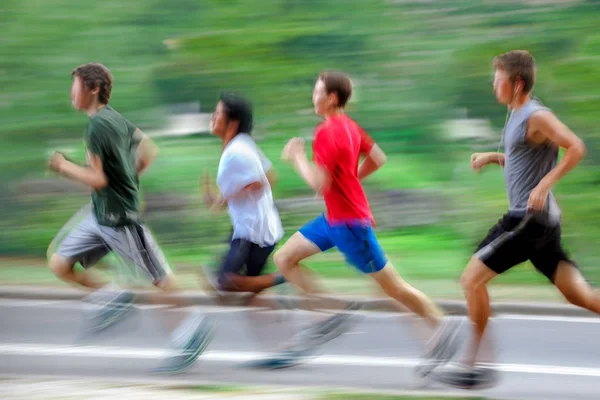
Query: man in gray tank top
(530,230)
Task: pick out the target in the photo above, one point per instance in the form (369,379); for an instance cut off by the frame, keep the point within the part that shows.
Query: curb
(456,307)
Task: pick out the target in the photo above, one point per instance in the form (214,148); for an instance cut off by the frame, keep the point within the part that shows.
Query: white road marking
(550,318)
(23,349)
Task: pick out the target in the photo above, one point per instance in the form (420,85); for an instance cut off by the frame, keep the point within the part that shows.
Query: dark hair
(518,64)
(95,76)
(238,109)
(338,83)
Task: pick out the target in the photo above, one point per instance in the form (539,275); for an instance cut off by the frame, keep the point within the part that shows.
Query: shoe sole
(276,362)
(477,386)
(273,363)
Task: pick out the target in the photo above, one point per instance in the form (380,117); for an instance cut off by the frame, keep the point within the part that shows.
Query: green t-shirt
(111,137)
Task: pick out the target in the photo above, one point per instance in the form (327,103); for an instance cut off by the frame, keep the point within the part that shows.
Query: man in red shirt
(338,145)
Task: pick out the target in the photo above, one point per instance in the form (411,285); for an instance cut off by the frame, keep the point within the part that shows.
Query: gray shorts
(85,241)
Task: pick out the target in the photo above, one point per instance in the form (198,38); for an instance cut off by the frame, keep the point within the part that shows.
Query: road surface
(539,357)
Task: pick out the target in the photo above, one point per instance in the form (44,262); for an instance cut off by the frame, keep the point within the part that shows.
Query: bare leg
(417,302)
(577,291)
(254,284)
(288,258)
(474,280)
(63,268)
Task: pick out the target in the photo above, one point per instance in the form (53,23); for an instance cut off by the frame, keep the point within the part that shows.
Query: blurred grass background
(417,66)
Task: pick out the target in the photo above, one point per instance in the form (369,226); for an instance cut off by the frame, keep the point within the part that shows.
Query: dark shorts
(243,253)
(356,241)
(514,240)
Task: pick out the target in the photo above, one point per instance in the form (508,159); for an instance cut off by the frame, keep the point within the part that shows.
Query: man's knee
(475,276)
(468,283)
(284,260)
(60,266)
(296,249)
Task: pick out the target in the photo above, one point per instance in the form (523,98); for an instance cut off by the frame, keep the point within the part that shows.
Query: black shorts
(243,253)
(514,240)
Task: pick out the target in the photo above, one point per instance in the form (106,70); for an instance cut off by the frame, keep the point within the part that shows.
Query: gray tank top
(526,164)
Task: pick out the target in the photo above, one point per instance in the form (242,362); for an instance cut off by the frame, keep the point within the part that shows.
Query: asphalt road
(539,357)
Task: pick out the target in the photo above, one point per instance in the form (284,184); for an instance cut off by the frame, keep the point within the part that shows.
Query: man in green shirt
(117,153)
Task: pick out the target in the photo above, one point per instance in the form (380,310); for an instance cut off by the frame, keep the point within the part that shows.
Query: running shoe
(329,329)
(480,376)
(448,343)
(188,346)
(108,307)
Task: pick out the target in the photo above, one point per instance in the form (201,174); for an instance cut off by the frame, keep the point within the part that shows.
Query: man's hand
(537,197)
(293,150)
(480,160)
(57,162)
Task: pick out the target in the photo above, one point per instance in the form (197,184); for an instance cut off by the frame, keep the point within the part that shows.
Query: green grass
(215,388)
(414,66)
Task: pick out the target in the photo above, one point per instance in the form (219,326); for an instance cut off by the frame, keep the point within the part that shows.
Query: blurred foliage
(415,65)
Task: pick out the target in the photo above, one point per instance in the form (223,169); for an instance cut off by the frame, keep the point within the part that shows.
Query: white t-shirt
(253,215)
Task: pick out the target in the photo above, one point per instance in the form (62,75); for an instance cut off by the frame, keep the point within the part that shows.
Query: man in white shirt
(244,179)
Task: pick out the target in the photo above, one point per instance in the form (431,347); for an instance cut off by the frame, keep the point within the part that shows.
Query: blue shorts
(355,240)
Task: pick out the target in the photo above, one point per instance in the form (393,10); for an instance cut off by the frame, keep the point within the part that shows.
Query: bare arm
(495,158)
(92,175)
(480,160)
(544,126)
(315,176)
(147,151)
(372,162)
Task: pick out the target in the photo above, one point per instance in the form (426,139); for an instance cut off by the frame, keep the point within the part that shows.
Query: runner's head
(92,82)
(514,75)
(232,115)
(331,93)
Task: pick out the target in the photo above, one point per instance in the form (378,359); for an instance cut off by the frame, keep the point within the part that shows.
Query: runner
(245,178)
(339,142)
(114,222)
(531,229)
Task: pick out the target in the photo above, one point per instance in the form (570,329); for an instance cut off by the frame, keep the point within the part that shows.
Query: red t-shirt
(338,144)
